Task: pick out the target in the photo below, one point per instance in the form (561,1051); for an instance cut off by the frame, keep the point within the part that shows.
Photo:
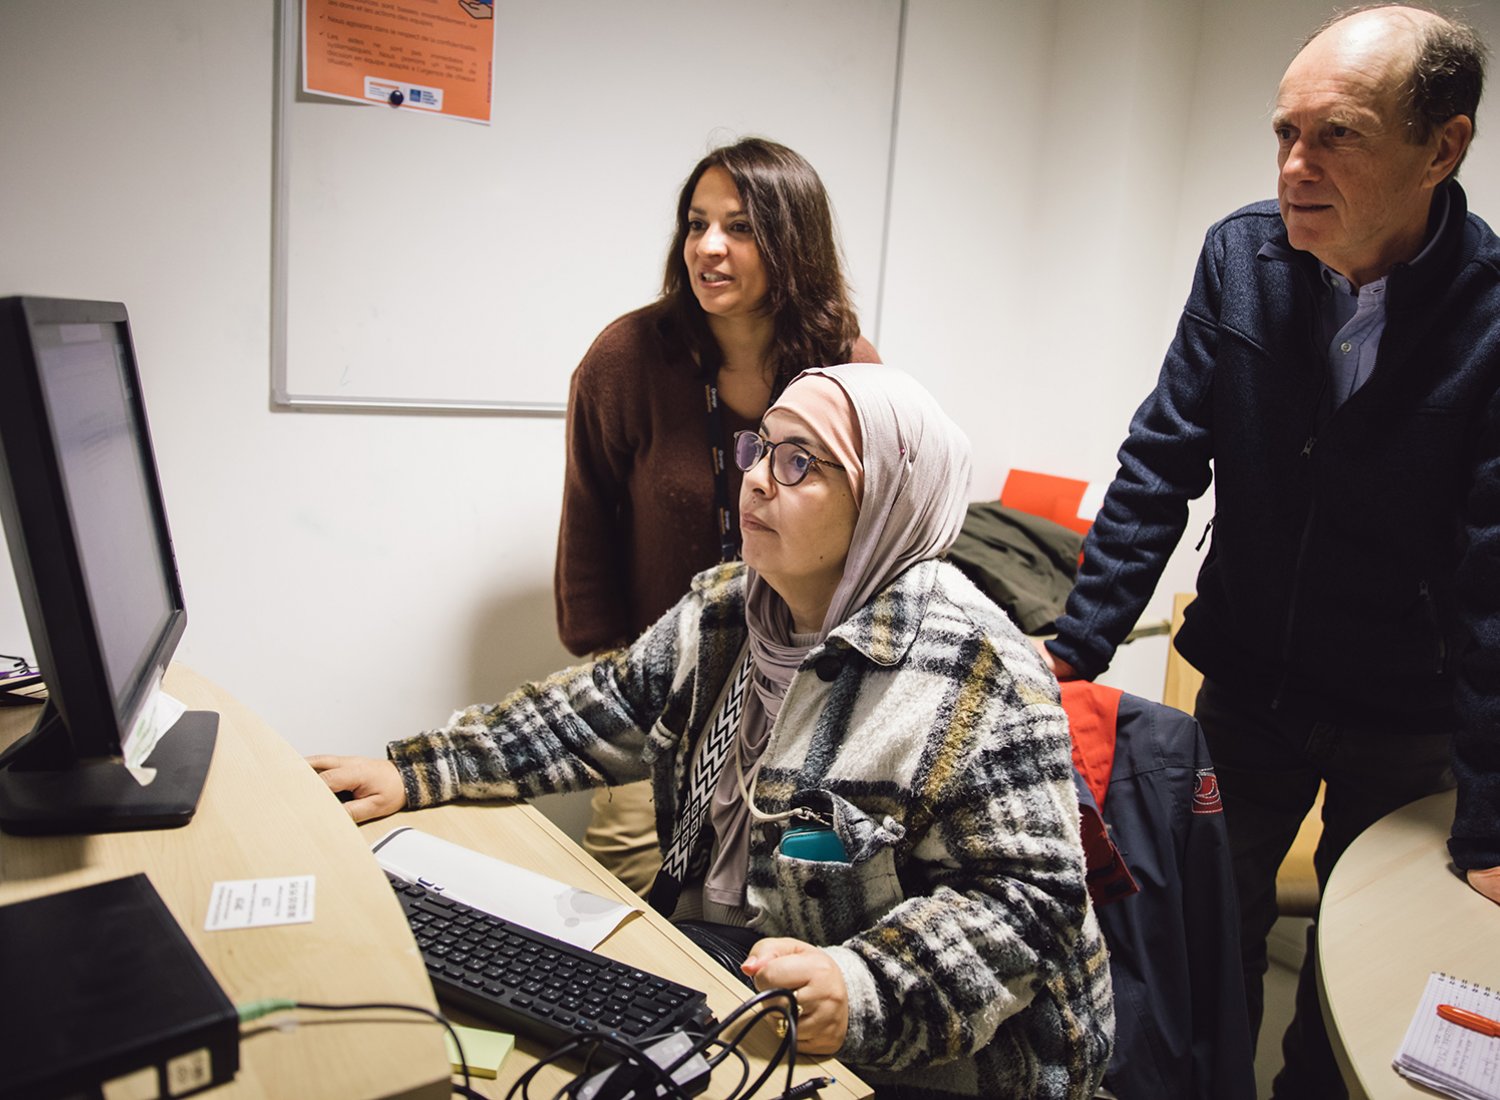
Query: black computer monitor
(88,537)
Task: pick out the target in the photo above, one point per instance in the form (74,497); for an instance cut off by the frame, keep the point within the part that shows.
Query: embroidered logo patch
(1206,793)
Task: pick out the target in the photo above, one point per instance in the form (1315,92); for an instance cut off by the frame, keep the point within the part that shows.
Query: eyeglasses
(790,462)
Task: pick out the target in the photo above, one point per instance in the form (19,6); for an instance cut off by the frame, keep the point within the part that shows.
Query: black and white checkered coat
(927,728)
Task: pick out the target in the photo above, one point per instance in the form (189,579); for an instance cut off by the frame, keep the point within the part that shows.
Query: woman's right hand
(375,784)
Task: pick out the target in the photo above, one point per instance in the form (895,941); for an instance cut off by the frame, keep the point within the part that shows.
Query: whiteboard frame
(288,63)
(288,55)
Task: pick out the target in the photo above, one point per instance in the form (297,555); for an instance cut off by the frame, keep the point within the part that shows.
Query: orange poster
(434,56)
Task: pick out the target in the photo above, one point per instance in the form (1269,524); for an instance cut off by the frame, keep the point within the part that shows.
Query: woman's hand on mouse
(375,784)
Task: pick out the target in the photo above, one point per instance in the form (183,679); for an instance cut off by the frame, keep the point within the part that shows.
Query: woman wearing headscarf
(861,770)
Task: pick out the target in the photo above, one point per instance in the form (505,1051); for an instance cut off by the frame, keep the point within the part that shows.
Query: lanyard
(729,543)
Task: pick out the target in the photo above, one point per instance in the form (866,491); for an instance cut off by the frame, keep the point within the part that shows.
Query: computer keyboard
(529,983)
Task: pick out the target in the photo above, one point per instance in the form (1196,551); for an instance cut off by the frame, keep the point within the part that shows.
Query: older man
(1336,367)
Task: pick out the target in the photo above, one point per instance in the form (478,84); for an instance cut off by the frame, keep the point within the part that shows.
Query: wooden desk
(1394,912)
(265,814)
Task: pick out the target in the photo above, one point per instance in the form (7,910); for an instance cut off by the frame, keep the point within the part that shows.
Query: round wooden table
(1393,912)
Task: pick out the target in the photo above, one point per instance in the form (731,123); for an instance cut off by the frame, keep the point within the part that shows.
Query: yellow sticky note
(484,1050)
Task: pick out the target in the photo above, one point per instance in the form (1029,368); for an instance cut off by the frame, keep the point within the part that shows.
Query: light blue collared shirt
(1353,322)
(1356,320)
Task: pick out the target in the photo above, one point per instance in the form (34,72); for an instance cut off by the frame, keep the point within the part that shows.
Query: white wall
(353,577)
(1030,278)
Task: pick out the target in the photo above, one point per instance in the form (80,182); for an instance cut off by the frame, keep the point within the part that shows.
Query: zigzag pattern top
(704,774)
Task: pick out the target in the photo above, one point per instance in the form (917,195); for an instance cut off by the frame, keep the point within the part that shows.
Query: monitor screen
(87,530)
(110,503)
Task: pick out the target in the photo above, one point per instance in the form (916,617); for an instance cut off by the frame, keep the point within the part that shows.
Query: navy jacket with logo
(1181,1028)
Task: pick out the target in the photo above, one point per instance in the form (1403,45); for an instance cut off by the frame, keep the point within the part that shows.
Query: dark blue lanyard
(729,541)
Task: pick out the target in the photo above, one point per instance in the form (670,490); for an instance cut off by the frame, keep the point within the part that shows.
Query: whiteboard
(425,262)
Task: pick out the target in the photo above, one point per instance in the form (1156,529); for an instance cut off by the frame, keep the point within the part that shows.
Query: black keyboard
(529,983)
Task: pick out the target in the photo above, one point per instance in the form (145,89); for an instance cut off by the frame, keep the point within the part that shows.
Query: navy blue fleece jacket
(1354,568)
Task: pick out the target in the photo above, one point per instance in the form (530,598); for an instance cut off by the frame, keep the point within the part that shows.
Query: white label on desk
(251,902)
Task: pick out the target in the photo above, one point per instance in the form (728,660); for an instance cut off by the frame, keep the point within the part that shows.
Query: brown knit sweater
(638,494)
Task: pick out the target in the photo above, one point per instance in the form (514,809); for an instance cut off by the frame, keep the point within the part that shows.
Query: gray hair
(1446,77)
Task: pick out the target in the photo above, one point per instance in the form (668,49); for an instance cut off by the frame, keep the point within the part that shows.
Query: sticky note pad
(484,1050)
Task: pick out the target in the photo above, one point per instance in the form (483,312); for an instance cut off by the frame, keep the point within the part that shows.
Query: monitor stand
(46,796)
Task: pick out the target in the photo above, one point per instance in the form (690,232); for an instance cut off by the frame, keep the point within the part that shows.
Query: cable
(21,684)
(786,1049)
(658,1080)
(713,1063)
(739,1088)
(811,1087)
(762,1007)
(630,1055)
(759,1008)
(254,1010)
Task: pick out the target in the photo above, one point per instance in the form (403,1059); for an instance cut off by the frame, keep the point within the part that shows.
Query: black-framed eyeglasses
(790,462)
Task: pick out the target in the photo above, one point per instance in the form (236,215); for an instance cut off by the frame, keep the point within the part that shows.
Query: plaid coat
(927,728)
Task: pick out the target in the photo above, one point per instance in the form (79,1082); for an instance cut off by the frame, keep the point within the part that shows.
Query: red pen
(1471,1020)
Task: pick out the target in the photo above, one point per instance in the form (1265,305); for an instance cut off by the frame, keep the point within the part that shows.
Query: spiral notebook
(1452,1059)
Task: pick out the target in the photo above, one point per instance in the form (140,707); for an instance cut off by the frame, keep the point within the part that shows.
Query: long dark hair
(807,297)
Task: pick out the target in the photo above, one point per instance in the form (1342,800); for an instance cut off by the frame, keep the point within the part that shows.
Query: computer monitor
(87,531)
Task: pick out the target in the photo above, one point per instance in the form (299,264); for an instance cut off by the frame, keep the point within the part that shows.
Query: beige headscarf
(912,488)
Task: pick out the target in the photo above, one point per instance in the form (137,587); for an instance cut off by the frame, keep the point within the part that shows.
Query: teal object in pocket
(813,842)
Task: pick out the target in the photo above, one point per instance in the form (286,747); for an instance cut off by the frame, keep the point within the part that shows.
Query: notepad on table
(1455,1060)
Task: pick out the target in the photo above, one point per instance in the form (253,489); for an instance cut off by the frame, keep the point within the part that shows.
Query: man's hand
(375,784)
(817,982)
(1487,882)
(1056,665)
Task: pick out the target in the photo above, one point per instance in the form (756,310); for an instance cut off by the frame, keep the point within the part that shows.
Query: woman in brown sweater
(753,293)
